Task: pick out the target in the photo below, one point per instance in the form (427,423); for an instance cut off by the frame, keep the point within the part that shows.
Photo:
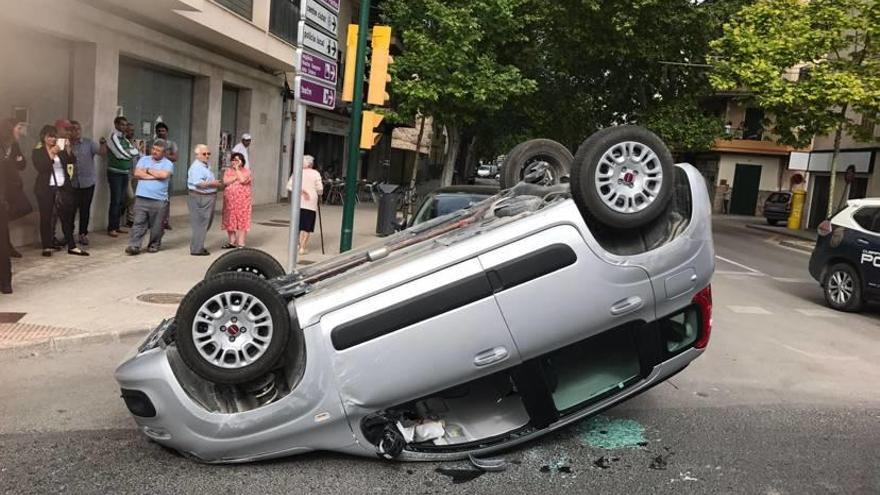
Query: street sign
(333,5)
(315,94)
(317,41)
(319,16)
(318,68)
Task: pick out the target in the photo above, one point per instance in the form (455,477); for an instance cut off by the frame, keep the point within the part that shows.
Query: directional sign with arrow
(317,41)
(319,16)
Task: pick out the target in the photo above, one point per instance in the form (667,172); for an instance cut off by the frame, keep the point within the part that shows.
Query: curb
(795,245)
(797,234)
(61,344)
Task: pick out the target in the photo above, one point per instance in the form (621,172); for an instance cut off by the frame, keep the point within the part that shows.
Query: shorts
(306,220)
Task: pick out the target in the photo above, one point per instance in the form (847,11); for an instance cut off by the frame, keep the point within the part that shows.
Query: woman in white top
(312,188)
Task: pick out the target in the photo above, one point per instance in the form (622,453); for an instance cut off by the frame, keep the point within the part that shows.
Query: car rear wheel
(232,328)
(527,157)
(623,177)
(247,260)
(843,288)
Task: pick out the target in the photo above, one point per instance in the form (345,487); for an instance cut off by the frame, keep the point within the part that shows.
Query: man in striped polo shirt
(119,160)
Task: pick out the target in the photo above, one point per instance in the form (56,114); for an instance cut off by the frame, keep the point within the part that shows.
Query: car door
(554,291)
(421,337)
(866,244)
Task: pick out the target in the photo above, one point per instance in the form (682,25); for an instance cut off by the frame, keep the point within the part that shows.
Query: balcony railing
(283,18)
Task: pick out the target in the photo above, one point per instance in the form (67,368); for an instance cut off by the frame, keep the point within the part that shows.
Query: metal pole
(298,152)
(321,226)
(354,136)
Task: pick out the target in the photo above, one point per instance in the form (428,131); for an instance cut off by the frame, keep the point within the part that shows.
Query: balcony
(751,146)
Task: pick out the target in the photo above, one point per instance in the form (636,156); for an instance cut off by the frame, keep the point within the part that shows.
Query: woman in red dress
(236,201)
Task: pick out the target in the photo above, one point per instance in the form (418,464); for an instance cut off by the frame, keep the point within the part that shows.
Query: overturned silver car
(465,335)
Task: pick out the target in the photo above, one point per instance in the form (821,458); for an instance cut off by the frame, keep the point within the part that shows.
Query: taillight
(703,300)
(825,228)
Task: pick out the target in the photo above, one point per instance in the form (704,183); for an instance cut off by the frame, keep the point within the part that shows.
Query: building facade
(209,69)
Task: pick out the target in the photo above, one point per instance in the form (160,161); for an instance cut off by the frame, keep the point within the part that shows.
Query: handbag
(19,205)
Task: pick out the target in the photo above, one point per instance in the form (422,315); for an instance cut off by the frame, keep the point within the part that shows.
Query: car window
(778,198)
(868,218)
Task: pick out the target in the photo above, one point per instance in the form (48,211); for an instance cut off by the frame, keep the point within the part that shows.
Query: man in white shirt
(242,148)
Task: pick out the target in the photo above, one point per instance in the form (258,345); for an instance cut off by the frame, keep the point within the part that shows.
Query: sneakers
(47,252)
(77,252)
(203,252)
(113,233)
(153,249)
(132,251)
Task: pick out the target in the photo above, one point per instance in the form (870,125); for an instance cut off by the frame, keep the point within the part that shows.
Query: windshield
(443,204)
(778,198)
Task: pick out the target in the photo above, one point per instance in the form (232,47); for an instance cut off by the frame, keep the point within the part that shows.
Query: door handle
(863,242)
(491,356)
(627,305)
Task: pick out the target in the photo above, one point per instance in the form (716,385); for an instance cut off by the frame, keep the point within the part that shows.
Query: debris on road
(460,476)
(606,433)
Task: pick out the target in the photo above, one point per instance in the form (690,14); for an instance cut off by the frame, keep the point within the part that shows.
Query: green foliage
(450,67)
(807,62)
(683,126)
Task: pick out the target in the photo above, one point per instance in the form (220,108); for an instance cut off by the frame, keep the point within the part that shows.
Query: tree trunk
(415,169)
(470,158)
(837,135)
(452,145)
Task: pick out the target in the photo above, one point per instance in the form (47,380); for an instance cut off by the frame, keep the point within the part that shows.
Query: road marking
(734,263)
(749,310)
(794,280)
(818,357)
(819,313)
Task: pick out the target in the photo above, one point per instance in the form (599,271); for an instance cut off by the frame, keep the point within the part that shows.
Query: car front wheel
(232,328)
(843,288)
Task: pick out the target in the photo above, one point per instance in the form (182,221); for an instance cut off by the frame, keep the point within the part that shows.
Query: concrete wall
(37,58)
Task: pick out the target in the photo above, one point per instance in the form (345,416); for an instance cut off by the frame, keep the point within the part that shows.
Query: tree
(808,62)
(449,68)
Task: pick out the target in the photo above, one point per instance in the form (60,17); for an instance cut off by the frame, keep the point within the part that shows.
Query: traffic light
(369,138)
(350,60)
(379,65)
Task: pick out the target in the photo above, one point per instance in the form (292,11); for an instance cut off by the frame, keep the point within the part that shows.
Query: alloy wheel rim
(629,177)
(232,329)
(841,287)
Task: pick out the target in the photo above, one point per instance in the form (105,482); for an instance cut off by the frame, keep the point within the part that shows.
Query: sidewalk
(64,300)
(803,240)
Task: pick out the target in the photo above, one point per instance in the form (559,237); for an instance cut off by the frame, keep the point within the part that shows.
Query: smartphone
(62,143)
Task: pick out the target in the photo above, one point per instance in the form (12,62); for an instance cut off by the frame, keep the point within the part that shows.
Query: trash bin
(388,200)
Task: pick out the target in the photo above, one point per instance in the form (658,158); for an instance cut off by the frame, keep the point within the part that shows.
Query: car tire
(842,287)
(644,183)
(772,222)
(211,338)
(524,155)
(247,260)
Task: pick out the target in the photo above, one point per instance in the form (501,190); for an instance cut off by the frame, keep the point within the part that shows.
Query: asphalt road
(784,401)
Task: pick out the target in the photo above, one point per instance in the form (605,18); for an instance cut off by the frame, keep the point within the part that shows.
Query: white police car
(846,260)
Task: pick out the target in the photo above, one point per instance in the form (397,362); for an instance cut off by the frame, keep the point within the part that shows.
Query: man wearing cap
(242,148)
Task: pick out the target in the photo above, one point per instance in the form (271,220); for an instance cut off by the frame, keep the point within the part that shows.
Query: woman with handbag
(11,163)
(54,189)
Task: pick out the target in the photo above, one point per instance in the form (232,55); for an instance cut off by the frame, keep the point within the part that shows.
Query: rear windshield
(778,198)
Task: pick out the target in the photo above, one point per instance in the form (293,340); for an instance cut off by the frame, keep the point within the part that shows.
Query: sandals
(228,246)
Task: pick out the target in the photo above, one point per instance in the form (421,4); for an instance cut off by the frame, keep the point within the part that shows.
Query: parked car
(463,335)
(446,200)
(777,207)
(846,259)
